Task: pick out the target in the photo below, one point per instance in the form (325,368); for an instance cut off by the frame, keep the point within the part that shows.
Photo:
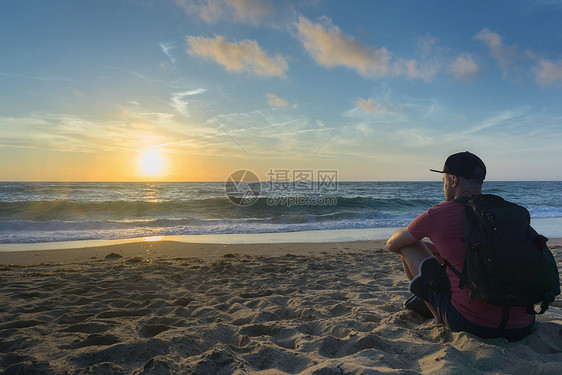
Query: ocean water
(33,212)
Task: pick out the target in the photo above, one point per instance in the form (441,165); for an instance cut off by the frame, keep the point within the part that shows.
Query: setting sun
(152,163)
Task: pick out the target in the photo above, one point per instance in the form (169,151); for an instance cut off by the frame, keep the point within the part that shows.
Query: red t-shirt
(443,225)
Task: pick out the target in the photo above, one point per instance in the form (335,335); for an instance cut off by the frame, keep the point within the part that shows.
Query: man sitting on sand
(463,175)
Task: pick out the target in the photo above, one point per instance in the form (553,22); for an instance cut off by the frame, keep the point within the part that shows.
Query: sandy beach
(176,308)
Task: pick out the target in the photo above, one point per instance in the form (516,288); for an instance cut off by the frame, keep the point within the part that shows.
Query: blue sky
(379,90)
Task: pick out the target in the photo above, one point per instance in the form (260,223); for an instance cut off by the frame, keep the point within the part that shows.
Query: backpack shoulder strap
(464,199)
(462,279)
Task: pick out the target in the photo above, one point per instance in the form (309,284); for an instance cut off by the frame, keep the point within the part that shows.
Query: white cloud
(178,102)
(464,68)
(166,48)
(330,47)
(506,56)
(516,64)
(243,56)
(548,73)
(493,40)
(275,101)
(213,11)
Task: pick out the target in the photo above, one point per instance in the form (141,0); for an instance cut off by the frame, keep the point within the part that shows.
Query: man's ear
(454,180)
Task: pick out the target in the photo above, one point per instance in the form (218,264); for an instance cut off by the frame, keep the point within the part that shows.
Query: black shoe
(417,305)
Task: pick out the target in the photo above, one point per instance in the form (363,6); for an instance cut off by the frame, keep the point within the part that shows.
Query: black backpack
(507,262)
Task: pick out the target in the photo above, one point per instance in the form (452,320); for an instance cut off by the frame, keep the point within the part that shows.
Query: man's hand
(399,239)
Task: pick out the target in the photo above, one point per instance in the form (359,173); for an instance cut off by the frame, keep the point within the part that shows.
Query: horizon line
(217,181)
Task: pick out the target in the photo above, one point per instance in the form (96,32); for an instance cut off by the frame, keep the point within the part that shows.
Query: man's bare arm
(399,239)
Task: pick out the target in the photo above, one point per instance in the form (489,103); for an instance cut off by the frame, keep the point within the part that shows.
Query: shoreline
(315,236)
(166,249)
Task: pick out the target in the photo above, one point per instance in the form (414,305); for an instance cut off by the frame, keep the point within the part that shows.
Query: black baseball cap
(464,164)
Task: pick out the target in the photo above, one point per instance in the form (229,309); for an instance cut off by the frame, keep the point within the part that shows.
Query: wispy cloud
(498,120)
(429,59)
(548,73)
(330,47)
(413,69)
(178,102)
(244,56)
(272,134)
(166,49)
(128,131)
(503,54)
(510,60)
(214,11)
(253,11)
(52,132)
(464,68)
(275,101)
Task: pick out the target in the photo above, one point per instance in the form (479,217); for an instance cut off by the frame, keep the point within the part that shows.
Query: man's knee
(413,255)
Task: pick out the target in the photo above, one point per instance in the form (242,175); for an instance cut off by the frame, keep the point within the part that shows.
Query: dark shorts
(432,285)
